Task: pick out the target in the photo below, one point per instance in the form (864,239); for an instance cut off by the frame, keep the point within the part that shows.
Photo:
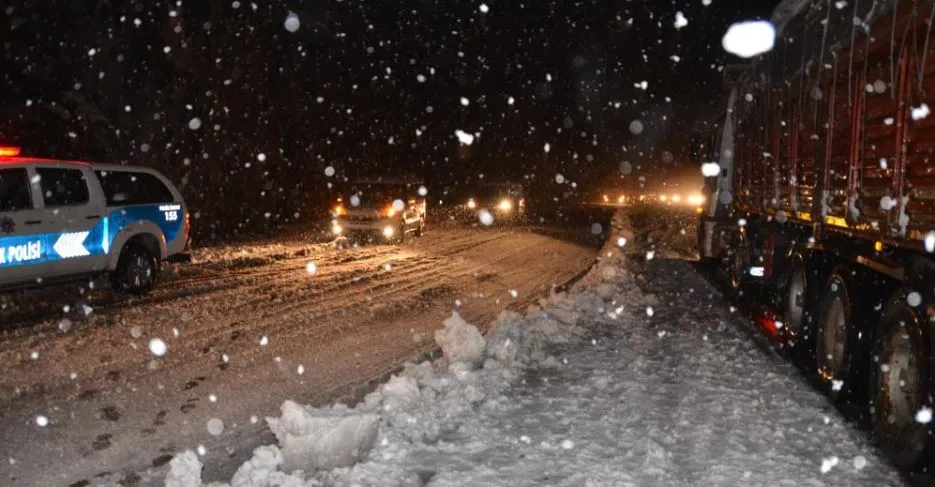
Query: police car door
(22,226)
(75,207)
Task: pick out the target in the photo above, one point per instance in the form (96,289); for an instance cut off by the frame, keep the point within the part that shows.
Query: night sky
(363,87)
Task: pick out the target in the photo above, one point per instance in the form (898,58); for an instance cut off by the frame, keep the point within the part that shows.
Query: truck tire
(136,272)
(739,264)
(796,300)
(833,343)
(899,386)
(420,231)
(403,235)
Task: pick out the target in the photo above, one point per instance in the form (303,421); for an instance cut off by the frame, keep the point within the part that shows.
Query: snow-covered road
(244,326)
(641,375)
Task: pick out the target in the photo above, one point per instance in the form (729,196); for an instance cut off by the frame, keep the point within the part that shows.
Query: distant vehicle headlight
(336,229)
(606,199)
(621,199)
(662,197)
(390,212)
(339,210)
(676,198)
(695,199)
(388,231)
(471,204)
(505,205)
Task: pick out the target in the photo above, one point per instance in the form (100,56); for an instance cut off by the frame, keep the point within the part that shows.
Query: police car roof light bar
(9,151)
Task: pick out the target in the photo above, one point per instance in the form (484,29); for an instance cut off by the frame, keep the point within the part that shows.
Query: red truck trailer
(822,204)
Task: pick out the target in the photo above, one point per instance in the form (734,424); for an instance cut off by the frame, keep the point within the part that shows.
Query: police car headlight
(388,231)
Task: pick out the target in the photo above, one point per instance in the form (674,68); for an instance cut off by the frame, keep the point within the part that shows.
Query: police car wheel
(136,271)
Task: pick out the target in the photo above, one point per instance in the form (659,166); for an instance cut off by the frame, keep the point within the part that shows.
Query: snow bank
(459,341)
(313,438)
(184,471)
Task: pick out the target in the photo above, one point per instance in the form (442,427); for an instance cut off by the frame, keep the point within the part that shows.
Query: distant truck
(380,210)
(504,201)
(821,204)
(66,220)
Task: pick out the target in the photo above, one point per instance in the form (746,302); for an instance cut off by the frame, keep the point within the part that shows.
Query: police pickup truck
(66,220)
(385,208)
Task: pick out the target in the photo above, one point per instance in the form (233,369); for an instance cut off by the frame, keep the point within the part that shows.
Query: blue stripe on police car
(51,247)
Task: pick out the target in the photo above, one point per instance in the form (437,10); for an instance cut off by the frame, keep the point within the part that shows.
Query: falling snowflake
(292,22)
(649,311)
(464,137)
(423,191)
(750,38)
(828,463)
(930,242)
(194,123)
(636,127)
(914,299)
(710,169)
(484,8)
(215,426)
(158,347)
(329,171)
(918,113)
(924,415)
(621,241)
(465,102)
(485,217)
(42,421)
(680,20)
(264,341)
(559,179)
(300,369)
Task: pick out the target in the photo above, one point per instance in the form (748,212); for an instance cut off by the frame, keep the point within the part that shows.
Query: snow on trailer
(825,202)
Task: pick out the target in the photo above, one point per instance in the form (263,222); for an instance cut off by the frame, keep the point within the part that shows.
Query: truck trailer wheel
(739,263)
(833,350)
(136,271)
(899,377)
(795,301)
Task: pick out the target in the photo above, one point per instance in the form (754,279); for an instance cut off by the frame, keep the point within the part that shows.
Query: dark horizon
(360,88)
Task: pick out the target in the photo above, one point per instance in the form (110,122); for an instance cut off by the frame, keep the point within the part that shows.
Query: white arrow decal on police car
(71,245)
